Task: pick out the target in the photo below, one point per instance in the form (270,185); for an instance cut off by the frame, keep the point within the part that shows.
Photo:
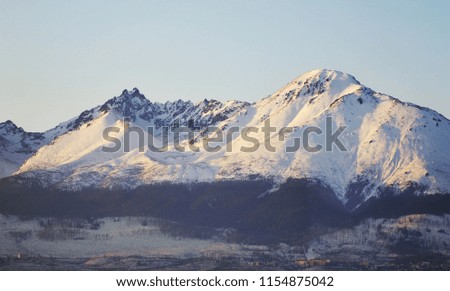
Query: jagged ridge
(387,142)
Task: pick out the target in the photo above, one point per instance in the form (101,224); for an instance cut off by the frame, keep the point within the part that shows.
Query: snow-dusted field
(103,237)
(127,243)
(387,240)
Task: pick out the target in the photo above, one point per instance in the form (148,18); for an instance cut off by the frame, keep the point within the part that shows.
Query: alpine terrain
(368,158)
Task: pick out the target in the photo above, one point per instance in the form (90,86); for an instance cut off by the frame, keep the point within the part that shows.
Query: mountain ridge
(386,140)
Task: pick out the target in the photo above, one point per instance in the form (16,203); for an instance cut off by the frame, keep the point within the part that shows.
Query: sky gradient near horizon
(58,58)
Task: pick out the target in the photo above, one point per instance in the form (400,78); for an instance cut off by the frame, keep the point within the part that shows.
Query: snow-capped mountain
(16,146)
(79,148)
(388,143)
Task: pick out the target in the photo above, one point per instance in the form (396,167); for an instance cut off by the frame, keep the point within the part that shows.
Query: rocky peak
(8,127)
(130,104)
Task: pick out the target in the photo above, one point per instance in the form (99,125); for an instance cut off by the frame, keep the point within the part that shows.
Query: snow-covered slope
(75,159)
(388,142)
(16,146)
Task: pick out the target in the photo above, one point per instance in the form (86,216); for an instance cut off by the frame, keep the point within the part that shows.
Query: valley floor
(413,242)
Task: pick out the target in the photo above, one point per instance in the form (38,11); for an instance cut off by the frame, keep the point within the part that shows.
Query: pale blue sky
(58,58)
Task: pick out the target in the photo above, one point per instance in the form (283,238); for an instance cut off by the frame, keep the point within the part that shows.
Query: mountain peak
(127,96)
(325,76)
(7,123)
(9,126)
(131,93)
(128,104)
(325,72)
(306,88)
(135,91)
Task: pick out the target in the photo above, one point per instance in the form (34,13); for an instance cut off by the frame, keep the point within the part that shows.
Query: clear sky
(58,58)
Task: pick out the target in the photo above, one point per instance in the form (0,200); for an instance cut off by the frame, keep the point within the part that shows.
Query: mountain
(388,143)
(325,166)
(75,154)
(16,146)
